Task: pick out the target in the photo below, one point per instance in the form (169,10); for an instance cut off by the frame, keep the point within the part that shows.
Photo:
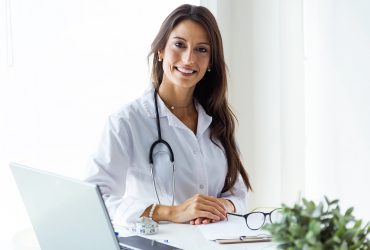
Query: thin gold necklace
(181,107)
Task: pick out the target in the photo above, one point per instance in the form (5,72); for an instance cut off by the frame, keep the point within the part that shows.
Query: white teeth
(186,71)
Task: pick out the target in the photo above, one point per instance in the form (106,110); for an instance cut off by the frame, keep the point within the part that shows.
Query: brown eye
(202,50)
(179,45)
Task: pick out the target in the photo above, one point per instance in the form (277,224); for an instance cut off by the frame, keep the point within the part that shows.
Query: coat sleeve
(238,196)
(108,168)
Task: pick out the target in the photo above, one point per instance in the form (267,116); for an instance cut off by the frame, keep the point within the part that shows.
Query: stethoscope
(161,141)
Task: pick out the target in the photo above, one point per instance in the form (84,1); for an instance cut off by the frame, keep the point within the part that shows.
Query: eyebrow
(203,43)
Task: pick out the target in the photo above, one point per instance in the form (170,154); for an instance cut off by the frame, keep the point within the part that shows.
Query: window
(64,67)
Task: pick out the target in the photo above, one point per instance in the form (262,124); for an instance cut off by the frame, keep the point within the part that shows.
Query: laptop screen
(71,214)
(64,212)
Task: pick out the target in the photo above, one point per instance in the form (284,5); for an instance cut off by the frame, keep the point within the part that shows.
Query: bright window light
(70,64)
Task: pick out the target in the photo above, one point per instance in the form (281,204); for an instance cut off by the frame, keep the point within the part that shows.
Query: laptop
(70,214)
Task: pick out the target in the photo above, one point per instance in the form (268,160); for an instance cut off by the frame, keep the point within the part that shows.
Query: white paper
(233,228)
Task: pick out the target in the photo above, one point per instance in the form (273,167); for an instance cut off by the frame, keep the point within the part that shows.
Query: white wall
(300,83)
(337,50)
(265,56)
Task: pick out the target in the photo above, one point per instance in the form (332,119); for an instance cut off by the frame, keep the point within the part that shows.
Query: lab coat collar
(148,103)
(204,120)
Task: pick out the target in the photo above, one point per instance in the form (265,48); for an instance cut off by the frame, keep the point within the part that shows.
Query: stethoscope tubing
(154,144)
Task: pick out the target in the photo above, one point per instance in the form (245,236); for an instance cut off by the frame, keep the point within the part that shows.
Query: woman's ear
(160,55)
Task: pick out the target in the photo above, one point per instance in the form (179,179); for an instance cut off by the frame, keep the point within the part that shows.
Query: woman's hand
(226,203)
(199,209)
(199,206)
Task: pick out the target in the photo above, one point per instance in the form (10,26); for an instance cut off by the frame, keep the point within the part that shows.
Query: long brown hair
(211,91)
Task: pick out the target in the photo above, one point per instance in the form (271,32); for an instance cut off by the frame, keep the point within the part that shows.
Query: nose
(188,56)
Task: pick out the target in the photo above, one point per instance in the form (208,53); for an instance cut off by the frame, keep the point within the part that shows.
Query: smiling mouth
(185,71)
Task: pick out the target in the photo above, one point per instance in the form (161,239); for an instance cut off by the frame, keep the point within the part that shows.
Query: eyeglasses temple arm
(240,215)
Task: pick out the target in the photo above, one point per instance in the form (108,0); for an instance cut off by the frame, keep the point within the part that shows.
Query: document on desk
(233,228)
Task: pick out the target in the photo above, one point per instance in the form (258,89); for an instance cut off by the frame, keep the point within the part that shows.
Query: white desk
(188,236)
(184,236)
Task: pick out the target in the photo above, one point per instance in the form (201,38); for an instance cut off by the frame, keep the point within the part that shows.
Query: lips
(187,71)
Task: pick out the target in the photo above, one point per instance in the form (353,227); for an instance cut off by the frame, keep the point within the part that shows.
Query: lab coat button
(201,186)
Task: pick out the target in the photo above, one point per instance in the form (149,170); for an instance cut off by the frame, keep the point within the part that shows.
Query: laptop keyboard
(126,248)
(138,242)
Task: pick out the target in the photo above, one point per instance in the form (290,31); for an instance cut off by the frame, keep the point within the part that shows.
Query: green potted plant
(310,226)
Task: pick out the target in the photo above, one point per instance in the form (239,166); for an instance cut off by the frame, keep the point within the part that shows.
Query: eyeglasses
(255,220)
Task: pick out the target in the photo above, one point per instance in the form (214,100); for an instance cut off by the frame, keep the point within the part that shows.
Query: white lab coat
(121,164)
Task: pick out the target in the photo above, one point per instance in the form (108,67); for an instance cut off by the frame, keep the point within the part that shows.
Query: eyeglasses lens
(276,216)
(255,220)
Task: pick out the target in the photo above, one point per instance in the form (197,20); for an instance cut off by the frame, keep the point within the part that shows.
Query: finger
(195,221)
(212,199)
(213,221)
(198,221)
(208,207)
(207,215)
(212,206)
(206,221)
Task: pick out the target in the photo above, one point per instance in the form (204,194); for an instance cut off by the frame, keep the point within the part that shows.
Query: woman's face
(186,55)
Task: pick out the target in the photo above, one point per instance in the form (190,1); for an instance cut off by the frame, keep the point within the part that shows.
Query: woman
(187,108)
